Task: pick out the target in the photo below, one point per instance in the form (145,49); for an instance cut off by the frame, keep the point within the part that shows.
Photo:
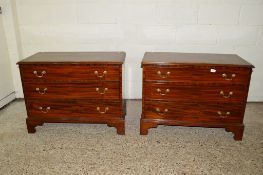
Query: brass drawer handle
(163,75)
(44,110)
(221,115)
(41,91)
(161,93)
(226,96)
(39,75)
(227,77)
(103,112)
(102,91)
(159,111)
(100,76)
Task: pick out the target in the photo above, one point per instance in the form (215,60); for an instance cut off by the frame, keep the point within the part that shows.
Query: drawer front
(69,73)
(198,74)
(104,90)
(73,109)
(176,92)
(199,112)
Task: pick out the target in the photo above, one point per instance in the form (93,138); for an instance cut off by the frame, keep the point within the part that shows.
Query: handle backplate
(39,74)
(163,75)
(158,111)
(44,109)
(226,95)
(100,75)
(102,91)
(106,109)
(223,115)
(161,92)
(43,91)
(228,77)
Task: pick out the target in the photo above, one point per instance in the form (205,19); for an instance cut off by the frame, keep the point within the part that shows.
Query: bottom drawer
(74,109)
(198,112)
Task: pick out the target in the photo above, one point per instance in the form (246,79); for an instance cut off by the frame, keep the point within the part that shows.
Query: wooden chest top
(116,58)
(202,59)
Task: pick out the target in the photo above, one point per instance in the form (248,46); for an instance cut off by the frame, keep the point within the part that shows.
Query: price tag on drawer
(213,70)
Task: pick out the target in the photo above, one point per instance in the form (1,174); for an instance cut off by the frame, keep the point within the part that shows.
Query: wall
(13,41)
(7,93)
(136,26)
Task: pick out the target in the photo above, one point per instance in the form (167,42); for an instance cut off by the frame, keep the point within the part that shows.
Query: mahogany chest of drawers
(73,87)
(206,90)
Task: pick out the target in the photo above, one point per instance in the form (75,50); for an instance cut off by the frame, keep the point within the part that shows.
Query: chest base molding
(146,124)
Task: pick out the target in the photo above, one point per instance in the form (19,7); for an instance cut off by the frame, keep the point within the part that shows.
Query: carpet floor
(96,149)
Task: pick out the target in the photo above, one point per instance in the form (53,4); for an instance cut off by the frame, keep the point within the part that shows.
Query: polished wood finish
(70,73)
(190,74)
(182,59)
(90,90)
(198,111)
(68,87)
(97,58)
(177,92)
(188,89)
(74,109)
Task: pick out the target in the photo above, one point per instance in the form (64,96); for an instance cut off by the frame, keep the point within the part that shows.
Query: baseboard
(6,100)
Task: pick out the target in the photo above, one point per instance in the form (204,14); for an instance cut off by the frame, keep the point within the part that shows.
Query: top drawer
(69,73)
(218,74)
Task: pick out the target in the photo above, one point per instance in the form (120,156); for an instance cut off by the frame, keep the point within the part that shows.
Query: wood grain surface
(89,58)
(90,90)
(191,74)
(74,88)
(195,92)
(69,73)
(176,58)
(192,89)
(74,109)
(199,112)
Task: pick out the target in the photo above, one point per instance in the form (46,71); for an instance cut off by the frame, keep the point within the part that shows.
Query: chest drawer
(104,90)
(69,73)
(201,112)
(197,74)
(177,92)
(74,109)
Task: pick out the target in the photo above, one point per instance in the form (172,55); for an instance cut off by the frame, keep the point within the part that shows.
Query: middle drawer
(203,92)
(105,90)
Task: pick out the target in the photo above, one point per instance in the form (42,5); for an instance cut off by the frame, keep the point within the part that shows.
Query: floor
(97,149)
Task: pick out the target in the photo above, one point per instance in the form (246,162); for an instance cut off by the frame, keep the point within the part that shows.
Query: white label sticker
(212,70)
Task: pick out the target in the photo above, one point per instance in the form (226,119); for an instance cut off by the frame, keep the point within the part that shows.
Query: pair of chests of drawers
(195,93)
(59,90)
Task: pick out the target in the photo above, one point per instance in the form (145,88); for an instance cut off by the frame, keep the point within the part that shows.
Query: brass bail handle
(102,75)
(44,110)
(226,96)
(39,75)
(160,112)
(103,112)
(162,93)
(102,91)
(163,75)
(43,91)
(227,77)
(223,115)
